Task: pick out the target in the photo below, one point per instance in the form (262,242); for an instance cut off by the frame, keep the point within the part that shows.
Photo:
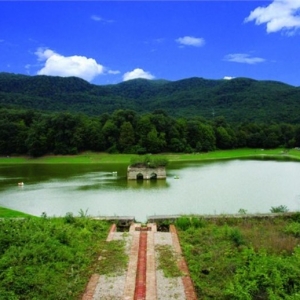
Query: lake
(219,187)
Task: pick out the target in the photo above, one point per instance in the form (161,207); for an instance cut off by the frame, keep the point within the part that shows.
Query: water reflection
(148,184)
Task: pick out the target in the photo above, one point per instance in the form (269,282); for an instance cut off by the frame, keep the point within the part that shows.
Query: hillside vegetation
(237,100)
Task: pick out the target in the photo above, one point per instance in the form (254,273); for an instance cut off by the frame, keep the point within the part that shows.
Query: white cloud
(96,18)
(113,72)
(99,19)
(137,73)
(65,66)
(228,77)
(191,41)
(243,58)
(43,53)
(279,15)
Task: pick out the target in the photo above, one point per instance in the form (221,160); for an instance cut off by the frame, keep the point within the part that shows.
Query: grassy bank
(105,158)
(10,213)
(243,258)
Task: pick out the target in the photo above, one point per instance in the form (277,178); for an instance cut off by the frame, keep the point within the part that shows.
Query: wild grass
(49,258)
(113,259)
(167,261)
(244,258)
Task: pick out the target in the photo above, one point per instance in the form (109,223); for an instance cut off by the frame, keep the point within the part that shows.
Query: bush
(184,223)
(236,236)
(148,162)
(279,209)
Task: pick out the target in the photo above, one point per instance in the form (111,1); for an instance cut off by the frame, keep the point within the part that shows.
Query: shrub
(185,223)
(279,209)
(148,161)
(242,211)
(236,236)
(69,218)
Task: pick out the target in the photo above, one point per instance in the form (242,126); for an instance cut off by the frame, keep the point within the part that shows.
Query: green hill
(238,100)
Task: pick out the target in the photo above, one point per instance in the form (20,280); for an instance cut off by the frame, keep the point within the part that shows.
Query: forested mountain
(238,100)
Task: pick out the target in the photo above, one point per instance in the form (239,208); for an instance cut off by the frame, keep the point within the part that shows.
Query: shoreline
(106,158)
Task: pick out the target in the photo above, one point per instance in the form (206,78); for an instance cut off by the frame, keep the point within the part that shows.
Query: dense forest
(238,100)
(45,114)
(125,131)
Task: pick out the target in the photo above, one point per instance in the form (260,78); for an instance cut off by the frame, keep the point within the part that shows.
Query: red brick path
(140,285)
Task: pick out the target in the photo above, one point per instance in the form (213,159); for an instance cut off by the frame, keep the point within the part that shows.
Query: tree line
(125,131)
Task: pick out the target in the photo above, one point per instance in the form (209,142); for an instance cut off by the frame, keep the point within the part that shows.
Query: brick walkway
(142,281)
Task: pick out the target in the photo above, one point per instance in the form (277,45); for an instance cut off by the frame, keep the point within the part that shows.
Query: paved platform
(142,280)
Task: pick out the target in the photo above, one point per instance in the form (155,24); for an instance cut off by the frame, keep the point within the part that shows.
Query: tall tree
(127,138)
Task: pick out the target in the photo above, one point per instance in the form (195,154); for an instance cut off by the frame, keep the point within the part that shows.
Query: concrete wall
(147,173)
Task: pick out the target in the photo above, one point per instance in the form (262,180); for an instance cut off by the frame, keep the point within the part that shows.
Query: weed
(242,211)
(113,259)
(82,213)
(167,261)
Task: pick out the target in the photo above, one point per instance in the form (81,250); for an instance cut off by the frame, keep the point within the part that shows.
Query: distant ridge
(238,99)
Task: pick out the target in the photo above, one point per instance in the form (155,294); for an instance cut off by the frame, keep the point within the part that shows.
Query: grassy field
(104,158)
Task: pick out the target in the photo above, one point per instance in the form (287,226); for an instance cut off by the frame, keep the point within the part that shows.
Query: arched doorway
(153,176)
(139,176)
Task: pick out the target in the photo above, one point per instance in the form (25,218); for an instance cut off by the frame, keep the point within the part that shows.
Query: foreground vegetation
(243,258)
(228,258)
(53,258)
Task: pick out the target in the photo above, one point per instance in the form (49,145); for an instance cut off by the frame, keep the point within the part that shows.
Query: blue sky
(107,42)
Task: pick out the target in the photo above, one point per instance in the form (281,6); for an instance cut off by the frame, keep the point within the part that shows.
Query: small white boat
(20,183)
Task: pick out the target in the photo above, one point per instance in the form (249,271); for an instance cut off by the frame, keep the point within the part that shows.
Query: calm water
(202,188)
